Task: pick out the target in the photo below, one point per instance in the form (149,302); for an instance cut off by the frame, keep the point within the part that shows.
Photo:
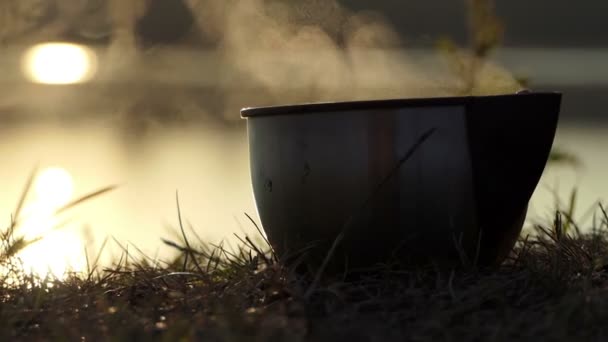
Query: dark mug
(410,180)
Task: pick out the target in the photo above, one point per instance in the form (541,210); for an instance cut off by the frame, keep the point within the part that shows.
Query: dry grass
(552,288)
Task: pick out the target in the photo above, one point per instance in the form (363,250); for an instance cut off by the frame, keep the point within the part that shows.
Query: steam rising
(316,50)
(274,51)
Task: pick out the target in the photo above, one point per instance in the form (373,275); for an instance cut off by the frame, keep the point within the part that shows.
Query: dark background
(537,23)
(541,24)
(552,26)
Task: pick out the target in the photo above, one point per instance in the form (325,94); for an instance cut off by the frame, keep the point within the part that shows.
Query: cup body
(319,170)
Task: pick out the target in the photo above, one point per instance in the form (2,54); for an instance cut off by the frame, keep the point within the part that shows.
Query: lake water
(588,143)
(208,167)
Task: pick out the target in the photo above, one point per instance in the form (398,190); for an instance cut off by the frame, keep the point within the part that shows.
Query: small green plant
(485,34)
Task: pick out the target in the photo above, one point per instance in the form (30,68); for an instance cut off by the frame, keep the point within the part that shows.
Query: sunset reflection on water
(208,168)
(55,250)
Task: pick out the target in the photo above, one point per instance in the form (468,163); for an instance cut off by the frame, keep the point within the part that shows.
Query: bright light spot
(56,254)
(54,187)
(58,249)
(59,63)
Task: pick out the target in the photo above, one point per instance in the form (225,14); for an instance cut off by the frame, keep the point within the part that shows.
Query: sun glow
(58,250)
(59,63)
(54,187)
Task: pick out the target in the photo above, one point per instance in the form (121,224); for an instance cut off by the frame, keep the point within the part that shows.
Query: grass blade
(21,202)
(181,227)
(85,198)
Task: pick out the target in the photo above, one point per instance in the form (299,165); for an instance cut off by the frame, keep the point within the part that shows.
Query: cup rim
(316,107)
